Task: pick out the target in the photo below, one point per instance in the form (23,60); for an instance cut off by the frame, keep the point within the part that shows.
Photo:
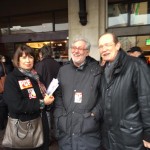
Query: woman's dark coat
(20,105)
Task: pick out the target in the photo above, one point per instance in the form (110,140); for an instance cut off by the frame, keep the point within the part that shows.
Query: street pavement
(53,146)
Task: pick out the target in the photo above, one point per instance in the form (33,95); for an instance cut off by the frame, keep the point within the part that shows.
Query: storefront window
(128,14)
(35,23)
(130,41)
(127,42)
(139,14)
(117,15)
(59,49)
(140,41)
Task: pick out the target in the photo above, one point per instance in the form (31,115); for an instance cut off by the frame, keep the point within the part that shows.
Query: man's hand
(146,144)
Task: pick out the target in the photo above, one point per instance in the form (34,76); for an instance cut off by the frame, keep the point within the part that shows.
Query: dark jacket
(3,73)
(126,103)
(23,99)
(76,128)
(142,57)
(1,70)
(48,69)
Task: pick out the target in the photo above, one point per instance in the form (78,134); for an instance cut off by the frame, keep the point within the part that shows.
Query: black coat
(23,101)
(3,73)
(126,103)
(48,69)
(1,94)
(76,128)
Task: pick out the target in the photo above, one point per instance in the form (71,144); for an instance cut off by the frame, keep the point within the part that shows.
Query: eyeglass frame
(78,48)
(107,45)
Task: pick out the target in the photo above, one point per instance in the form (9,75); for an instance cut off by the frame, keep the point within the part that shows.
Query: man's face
(40,56)
(79,53)
(134,54)
(108,49)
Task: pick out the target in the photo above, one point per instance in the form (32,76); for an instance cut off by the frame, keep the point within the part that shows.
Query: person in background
(77,110)
(24,93)
(3,107)
(137,52)
(9,64)
(48,69)
(5,68)
(125,94)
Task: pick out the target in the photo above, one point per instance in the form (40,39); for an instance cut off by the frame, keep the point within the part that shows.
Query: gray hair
(87,43)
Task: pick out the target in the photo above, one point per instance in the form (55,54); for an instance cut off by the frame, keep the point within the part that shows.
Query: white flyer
(52,86)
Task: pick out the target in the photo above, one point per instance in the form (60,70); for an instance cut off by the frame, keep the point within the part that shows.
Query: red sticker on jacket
(25,84)
(32,93)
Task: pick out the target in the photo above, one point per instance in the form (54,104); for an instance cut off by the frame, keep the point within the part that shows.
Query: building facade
(129,20)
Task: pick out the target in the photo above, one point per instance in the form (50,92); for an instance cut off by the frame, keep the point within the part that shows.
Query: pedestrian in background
(125,89)
(137,52)
(48,69)
(3,107)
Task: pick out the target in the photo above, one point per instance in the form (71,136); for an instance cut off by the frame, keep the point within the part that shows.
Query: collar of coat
(88,61)
(93,64)
(118,66)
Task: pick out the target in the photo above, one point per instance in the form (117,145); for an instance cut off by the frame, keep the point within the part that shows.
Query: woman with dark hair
(24,93)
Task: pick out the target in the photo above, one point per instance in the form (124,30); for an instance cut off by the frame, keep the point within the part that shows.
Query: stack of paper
(52,86)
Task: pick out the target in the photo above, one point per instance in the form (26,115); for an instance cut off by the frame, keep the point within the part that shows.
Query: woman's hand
(48,99)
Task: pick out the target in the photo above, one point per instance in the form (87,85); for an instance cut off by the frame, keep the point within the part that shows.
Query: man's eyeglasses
(107,45)
(77,48)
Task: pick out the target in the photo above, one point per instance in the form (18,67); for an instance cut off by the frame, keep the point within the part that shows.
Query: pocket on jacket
(131,132)
(58,131)
(90,124)
(62,123)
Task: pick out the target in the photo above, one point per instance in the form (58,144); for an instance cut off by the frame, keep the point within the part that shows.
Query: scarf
(33,74)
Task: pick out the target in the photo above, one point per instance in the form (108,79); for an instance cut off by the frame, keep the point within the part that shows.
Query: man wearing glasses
(125,89)
(77,111)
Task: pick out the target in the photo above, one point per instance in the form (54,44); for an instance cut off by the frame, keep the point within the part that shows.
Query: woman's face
(26,62)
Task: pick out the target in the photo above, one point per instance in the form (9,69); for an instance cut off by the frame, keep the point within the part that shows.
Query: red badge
(78,97)
(32,93)
(25,84)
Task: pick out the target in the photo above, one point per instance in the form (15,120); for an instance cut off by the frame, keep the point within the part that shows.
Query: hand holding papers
(52,87)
